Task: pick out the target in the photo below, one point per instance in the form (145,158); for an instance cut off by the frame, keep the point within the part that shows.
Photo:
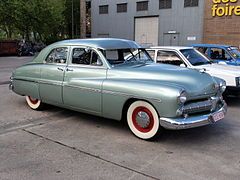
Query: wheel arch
(129,101)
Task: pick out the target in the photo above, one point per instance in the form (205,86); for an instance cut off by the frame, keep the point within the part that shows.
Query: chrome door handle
(60,69)
(69,69)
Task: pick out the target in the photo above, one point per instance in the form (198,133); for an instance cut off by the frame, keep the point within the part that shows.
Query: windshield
(195,57)
(235,53)
(125,56)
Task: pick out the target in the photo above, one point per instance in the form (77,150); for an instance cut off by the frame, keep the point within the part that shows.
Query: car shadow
(90,119)
(195,136)
(233,101)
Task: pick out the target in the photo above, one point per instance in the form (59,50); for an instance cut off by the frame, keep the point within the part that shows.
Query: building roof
(100,43)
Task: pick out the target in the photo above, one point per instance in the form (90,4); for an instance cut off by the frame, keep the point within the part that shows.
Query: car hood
(192,81)
(221,70)
(232,62)
(238,61)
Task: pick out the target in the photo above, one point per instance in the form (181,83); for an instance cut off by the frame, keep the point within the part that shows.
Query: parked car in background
(223,54)
(117,79)
(191,58)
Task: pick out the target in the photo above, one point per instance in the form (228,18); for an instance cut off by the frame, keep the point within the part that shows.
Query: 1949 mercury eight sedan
(117,79)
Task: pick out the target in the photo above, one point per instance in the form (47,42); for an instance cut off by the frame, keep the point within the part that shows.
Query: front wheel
(35,104)
(143,120)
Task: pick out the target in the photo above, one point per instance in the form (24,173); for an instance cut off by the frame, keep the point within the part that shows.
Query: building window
(165,4)
(190,3)
(122,8)
(103,9)
(142,6)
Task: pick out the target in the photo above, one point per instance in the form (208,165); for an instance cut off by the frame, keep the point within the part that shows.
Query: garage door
(146,31)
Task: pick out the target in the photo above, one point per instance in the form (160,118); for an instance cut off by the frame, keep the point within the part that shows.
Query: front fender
(117,92)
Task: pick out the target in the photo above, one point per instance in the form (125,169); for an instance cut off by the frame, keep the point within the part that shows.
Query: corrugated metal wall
(186,22)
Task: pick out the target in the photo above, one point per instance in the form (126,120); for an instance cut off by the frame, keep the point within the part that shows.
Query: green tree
(41,19)
(7,16)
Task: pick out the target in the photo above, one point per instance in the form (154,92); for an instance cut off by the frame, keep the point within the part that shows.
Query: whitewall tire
(143,120)
(35,104)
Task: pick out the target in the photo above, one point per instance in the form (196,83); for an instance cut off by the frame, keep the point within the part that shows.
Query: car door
(83,80)
(220,55)
(52,73)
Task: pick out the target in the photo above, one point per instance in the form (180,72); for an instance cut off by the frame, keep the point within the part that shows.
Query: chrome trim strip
(130,95)
(191,122)
(39,81)
(86,66)
(20,79)
(84,88)
(49,83)
(92,89)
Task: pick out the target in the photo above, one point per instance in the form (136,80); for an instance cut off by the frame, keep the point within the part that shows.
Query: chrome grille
(198,107)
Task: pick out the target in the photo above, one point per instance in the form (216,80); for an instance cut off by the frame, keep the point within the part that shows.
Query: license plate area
(218,116)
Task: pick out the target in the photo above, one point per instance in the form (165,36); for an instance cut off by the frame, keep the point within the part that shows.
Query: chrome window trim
(104,65)
(50,51)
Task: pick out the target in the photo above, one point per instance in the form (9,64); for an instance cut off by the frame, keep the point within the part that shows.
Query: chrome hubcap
(143,119)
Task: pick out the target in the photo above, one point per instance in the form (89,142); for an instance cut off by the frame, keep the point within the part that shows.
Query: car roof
(211,45)
(171,47)
(100,43)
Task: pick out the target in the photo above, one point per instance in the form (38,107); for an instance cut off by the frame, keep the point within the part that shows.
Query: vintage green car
(117,79)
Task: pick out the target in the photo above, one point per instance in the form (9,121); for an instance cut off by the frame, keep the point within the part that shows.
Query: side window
(57,55)
(168,57)
(95,60)
(151,53)
(203,50)
(140,55)
(85,56)
(218,53)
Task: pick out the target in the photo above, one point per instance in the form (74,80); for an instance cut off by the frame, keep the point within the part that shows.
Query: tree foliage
(40,20)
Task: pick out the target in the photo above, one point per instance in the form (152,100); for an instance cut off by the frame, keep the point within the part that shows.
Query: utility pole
(82,19)
(72,21)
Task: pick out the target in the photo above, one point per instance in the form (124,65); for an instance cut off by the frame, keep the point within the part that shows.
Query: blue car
(223,54)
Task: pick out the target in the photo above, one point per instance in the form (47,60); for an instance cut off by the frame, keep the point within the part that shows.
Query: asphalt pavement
(61,144)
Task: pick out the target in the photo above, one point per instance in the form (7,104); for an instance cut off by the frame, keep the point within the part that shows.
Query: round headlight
(222,86)
(182,98)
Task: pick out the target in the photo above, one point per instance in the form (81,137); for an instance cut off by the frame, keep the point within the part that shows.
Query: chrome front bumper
(191,122)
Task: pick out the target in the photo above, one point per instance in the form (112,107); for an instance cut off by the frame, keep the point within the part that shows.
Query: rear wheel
(33,103)
(143,120)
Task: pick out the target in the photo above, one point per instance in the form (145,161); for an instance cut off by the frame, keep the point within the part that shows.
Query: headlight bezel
(222,86)
(182,98)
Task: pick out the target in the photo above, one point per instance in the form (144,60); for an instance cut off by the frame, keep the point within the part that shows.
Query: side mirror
(183,65)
